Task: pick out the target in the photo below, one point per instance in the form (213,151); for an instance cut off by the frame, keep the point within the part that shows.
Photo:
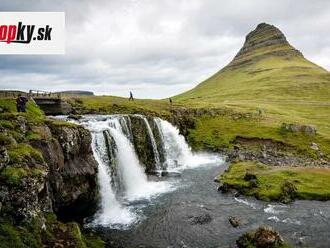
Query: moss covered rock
(142,142)
(263,237)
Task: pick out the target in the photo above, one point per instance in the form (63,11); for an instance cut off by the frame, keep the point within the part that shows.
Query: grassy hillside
(267,77)
(267,68)
(271,79)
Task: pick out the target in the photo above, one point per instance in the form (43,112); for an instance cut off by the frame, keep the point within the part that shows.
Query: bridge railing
(32,93)
(44,94)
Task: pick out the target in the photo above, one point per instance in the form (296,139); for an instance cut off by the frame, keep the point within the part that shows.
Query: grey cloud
(157,48)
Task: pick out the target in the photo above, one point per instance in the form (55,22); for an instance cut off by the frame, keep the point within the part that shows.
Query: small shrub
(288,192)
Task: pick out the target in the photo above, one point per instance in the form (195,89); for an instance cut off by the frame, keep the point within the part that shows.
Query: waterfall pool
(183,208)
(170,219)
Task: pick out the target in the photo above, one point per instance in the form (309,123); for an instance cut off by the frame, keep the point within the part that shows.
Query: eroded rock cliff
(46,168)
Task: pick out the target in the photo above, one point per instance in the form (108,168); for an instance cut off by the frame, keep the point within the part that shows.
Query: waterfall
(153,143)
(177,151)
(125,123)
(178,154)
(111,212)
(135,181)
(121,176)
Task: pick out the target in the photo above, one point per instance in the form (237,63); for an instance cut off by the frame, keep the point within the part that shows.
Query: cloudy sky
(157,48)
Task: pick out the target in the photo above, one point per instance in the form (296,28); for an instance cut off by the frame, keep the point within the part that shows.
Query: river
(183,208)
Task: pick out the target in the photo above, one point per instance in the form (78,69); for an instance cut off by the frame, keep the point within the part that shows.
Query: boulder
(224,188)
(201,219)
(266,236)
(234,221)
(288,192)
(295,128)
(263,237)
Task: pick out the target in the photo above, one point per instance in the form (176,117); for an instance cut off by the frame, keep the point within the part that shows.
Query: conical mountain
(267,67)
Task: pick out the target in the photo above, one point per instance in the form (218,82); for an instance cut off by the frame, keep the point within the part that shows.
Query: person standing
(21,103)
(131,98)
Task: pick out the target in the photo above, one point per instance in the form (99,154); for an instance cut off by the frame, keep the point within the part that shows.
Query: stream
(182,208)
(169,219)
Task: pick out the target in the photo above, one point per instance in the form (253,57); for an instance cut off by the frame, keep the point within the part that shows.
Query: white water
(111,212)
(114,211)
(177,152)
(135,180)
(153,143)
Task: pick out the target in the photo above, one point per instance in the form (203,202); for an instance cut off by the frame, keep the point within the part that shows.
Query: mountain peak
(264,35)
(265,40)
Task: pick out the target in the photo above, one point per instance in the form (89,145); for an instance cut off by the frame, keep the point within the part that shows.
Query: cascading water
(178,154)
(121,176)
(135,181)
(125,123)
(111,212)
(177,151)
(153,143)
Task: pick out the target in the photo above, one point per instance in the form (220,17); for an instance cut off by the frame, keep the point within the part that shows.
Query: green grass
(310,183)
(272,78)
(114,105)
(24,153)
(14,175)
(31,235)
(22,237)
(34,114)
(221,131)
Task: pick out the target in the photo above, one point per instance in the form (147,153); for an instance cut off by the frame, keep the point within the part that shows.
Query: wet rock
(224,188)
(263,237)
(201,219)
(234,221)
(170,174)
(74,117)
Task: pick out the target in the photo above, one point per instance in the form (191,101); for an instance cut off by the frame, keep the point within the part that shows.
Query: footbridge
(51,103)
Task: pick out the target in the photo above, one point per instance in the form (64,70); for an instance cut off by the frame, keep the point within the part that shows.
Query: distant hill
(77,92)
(267,67)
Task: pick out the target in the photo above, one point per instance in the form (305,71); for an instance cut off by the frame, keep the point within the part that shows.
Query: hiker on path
(21,103)
(131,96)
(170,99)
